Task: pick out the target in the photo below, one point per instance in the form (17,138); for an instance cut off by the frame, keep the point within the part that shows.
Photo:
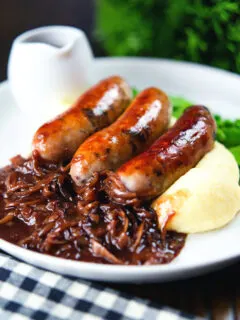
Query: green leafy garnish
(179,105)
(236,152)
(135,91)
(228,132)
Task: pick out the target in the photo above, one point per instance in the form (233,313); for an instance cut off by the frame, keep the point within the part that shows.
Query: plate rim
(184,63)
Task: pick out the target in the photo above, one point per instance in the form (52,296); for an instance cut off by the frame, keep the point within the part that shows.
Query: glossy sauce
(47,215)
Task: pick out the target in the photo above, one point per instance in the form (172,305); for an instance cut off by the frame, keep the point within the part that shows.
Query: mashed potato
(207,197)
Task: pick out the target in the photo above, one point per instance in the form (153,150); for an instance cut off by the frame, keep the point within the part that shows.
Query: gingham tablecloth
(27,292)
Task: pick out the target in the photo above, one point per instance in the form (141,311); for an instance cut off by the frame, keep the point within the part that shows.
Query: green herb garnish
(135,91)
(236,152)
(179,105)
(228,132)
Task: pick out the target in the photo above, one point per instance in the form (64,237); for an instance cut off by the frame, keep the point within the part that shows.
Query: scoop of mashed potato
(207,197)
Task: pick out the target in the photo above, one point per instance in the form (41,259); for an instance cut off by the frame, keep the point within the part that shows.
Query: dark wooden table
(214,296)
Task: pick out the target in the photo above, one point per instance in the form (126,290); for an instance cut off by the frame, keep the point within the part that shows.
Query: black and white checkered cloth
(27,292)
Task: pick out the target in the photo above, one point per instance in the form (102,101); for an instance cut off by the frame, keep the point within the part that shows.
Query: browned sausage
(141,124)
(172,155)
(102,104)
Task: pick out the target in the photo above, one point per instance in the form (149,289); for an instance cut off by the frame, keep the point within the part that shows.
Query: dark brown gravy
(41,211)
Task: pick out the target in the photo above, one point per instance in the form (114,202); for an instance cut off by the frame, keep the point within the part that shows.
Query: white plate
(202,252)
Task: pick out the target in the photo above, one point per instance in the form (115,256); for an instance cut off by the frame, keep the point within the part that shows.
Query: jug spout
(58,38)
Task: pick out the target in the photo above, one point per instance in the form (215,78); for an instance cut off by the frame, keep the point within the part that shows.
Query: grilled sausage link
(102,104)
(141,124)
(171,156)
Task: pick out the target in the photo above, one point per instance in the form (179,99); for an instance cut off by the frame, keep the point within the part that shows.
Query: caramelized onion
(117,192)
(100,251)
(6,219)
(41,210)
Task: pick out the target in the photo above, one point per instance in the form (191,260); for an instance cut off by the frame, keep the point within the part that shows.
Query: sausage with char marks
(171,156)
(142,123)
(101,105)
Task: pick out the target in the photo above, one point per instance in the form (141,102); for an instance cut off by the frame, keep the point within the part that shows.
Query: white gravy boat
(48,69)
